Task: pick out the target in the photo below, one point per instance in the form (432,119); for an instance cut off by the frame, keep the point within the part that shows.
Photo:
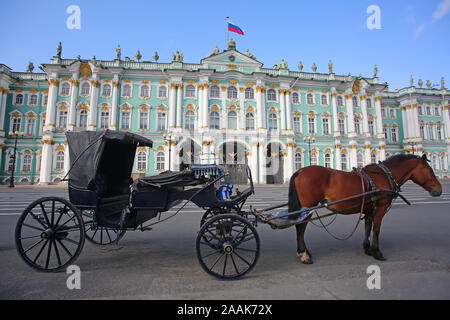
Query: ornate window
(420,110)
(430,132)
(311,125)
(85,89)
(341,124)
(309,98)
(385,132)
(33,100)
(325,126)
(62,119)
(160,161)
(214,120)
(10,163)
(19,99)
(340,101)
(369,103)
(344,161)
(232,120)
(313,158)
(59,160)
(355,102)
(357,126)
(428,108)
(104,119)
(83,119)
(190,91)
(26,163)
(162,92)
(232,92)
(143,119)
(436,111)
(249,93)
(30,125)
(126,91)
(298,160)
(125,119)
(359,160)
(383,113)
(371,127)
(324,100)
(189,120)
(65,89)
(142,161)
(392,114)
(16,121)
(271,95)
(106,90)
(438,132)
(273,122)
(297,124)
(145,91)
(249,121)
(214,92)
(295,98)
(161,121)
(327,160)
(394,134)
(373,157)
(422,131)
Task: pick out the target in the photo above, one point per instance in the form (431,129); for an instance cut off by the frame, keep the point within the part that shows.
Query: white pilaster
(73,102)
(336,132)
(92,120)
(172,106)
(337,152)
(288,111)
(350,115)
(362,98)
(289,163)
(46,160)
(51,105)
(379,129)
(3,95)
(282,109)
(179,106)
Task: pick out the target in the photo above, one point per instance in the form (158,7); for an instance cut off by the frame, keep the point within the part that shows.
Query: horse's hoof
(366,247)
(378,255)
(305,257)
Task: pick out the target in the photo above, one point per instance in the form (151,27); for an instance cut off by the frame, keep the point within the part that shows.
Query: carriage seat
(167,179)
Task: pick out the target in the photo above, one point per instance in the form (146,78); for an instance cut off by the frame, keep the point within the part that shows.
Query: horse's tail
(293,201)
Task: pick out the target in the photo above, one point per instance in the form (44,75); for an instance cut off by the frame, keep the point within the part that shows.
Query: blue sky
(413,39)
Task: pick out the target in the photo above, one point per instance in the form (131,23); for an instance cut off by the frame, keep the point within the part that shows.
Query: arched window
(341,124)
(19,99)
(83,119)
(161,121)
(340,101)
(344,161)
(435,163)
(371,127)
(327,160)
(313,159)
(309,98)
(85,88)
(106,90)
(298,160)
(394,134)
(428,109)
(355,102)
(33,99)
(189,120)
(126,91)
(295,98)
(232,120)
(271,95)
(359,160)
(369,103)
(30,125)
(249,121)
(357,126)
(125,119)
(232,92)
(145,92)
(142,161)
(143,119)
(249,93)
(214,120)
(160,161)
(324,100)
(325,126)
(273,121)
(59,161)
(65,89)
(311,125)
(214,92)
(62,119)
(104,119)
(26,163)
(162,92)
(16,123)
(297,124)
(190,91)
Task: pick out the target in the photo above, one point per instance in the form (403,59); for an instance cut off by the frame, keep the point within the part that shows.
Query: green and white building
(227,109)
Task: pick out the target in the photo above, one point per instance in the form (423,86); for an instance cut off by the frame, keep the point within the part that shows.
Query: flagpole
(228,32)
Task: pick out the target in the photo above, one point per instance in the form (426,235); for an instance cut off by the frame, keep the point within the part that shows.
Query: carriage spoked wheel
(213,213)
(232,246)
(50,234)
(100,235)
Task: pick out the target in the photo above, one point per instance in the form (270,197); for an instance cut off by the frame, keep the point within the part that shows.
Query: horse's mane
(400,158)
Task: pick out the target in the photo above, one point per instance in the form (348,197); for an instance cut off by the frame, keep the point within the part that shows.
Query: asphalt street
(162,263)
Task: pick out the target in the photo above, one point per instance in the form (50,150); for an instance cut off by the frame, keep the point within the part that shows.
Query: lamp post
(169,137)
(16,135)
(309,140)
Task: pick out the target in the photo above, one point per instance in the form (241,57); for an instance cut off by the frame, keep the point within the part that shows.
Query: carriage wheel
(100,235)
(50,234)
(232,248)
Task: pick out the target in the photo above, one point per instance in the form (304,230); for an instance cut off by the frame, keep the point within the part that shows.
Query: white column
(367,147)
(46,159)
(350,116)
(262,163)
(289,161)
(179,106)
(73,102)
(415,123)
(205,106)
(364,115)
(282,109)
(92,120)
(173,157)
(51,105)
(259,122)
(338,156)
(446,115)
(3,95)
(172,97)
(405,123)
(353,156)
(379,129)
(336,132)
(288,111)
(66,159)
(382,151)
(253,162)
(241,114)
(201,107)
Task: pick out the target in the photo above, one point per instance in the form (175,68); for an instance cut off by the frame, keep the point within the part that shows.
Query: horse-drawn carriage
(104,203)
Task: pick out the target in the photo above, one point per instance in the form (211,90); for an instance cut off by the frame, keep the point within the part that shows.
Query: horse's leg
(302,252)
(375,248)
(368,224)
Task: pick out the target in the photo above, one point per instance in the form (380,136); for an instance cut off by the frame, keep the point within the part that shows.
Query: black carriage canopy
(103,161)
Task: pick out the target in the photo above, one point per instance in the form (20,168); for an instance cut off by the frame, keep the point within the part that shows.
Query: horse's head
(424,176)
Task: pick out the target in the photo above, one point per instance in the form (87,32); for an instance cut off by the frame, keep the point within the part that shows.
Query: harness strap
(371,186)
(394,185)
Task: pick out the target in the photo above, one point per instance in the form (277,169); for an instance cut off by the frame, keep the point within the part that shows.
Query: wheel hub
(228,248)
(47,234)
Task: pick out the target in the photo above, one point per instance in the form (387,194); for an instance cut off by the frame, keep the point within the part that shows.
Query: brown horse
(312,185)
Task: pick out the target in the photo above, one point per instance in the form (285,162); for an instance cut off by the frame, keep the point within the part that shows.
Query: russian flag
(235,28)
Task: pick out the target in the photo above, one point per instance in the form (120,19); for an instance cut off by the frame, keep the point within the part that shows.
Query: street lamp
(309,140)
(15,134)
(169,137)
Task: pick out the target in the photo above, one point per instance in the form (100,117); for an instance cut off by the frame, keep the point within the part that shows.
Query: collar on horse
(394,184)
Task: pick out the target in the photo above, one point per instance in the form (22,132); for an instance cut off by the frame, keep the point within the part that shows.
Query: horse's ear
(424,157)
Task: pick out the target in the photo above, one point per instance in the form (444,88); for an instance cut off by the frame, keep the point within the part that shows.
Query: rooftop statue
(214,52)
(411,81)
(442,83)
(375,71)
(156,56)
(138,56)
(300,66)
(314,67)
(118,52)
(30,67)
(177,57)
(420,83)
(249,54)
(282,65)
(330,67)
(59,50)
(428,84)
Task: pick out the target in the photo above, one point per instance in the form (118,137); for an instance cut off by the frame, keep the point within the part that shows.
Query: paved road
(162,264)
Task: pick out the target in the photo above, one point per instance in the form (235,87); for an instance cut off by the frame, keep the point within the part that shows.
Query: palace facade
(226,109)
